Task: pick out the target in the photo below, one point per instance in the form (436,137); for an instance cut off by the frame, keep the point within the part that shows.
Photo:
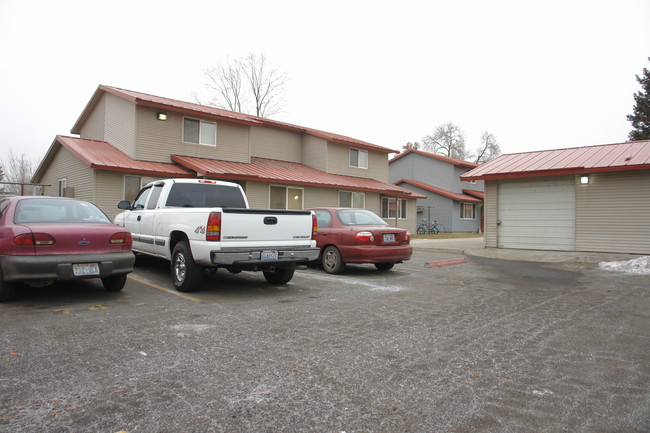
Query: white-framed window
(199,132)
(282,197)
(61,185)
(358,158)
(467,211)
(352,199)
(390,208)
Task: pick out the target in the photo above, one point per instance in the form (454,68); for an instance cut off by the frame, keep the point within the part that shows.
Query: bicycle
(428,228)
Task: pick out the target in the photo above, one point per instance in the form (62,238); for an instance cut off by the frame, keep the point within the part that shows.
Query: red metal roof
(634,155)
(214,113)
(290,173)
(474,193)
(103,156)
(454,161)
(452,195)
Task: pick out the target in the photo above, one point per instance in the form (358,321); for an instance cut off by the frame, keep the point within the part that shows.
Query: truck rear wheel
(279,275)
(186,274)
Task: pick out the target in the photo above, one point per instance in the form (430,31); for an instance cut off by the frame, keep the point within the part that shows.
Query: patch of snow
(638,266)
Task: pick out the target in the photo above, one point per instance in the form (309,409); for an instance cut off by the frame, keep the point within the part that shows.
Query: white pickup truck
(200,224)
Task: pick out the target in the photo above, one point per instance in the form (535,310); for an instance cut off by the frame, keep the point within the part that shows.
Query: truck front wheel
(279,275)
(186,274)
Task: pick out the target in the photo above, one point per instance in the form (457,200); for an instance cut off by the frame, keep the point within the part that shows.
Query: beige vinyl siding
(315,197)
(257,194)
(339,163)
(109,191)
(78,176)
(273,143)
(93,127)
(613,213)
(314,152)
(157,139)
(490,214)
(119,129)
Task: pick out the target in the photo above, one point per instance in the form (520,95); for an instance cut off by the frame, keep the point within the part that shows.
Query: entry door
(537,215)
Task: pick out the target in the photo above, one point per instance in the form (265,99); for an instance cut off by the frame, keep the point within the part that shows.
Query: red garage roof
(103,156)
(284,172)
(634,155)
(452,195)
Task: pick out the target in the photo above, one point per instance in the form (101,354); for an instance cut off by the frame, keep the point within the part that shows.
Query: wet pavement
(481,344)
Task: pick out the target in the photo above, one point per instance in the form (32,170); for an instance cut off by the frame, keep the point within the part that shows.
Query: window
(142,199)
(352,199)
(358,158)
(286,198)
(61,187)
(131,187)
(389,206)
(199,132)
(467,211)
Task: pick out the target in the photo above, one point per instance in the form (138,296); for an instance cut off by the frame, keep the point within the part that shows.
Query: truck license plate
(389,237)
(269,255)
(82,269)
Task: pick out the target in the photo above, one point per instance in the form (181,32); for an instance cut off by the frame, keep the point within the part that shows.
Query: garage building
(594,198)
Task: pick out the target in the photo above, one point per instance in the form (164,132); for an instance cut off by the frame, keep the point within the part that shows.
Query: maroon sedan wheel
(332,260)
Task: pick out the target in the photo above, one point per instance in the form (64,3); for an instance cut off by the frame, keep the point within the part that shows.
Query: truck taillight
(314,226)
(213,231)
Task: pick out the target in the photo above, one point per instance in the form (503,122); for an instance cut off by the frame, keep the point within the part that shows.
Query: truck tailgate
(265,227)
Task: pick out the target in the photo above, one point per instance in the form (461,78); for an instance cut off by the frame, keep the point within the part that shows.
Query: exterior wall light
(162,116)
(584,179)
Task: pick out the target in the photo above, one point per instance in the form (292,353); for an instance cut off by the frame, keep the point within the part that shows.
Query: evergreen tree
(640,119)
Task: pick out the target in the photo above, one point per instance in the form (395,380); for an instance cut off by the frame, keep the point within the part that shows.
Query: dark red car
(45,239)
(359,236)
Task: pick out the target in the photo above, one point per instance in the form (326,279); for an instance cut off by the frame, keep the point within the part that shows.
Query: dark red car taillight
(213,232)
(122,238)
(364,237)
(34,239)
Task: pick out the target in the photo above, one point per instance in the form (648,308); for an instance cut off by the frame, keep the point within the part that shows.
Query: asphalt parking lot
(435,345)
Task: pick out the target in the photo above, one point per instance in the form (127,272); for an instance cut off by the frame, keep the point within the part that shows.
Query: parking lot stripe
(182,295)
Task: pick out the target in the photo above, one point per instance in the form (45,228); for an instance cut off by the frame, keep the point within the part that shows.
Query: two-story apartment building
(126,139)
(456,205)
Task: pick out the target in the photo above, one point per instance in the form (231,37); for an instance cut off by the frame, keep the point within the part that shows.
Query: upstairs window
(199,132)
(358,158)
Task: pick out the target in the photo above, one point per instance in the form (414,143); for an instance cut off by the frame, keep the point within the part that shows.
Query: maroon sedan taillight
(31,239)
(364,237)
(121,238)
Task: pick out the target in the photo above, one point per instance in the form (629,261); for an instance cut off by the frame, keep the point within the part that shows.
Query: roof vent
(628,157)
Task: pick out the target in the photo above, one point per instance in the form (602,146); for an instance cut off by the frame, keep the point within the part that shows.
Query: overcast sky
(539,75)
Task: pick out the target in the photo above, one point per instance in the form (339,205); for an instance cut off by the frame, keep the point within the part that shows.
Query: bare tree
(226,82)
(250,85)
(411,146)
(446,140)
(489,148)
(18,170)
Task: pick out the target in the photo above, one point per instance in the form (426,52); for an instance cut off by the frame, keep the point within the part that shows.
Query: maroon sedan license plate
(389,237)
(82,269)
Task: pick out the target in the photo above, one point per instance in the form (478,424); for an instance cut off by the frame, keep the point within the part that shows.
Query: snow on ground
(638,266)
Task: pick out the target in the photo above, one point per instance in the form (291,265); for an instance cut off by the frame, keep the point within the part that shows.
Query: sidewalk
(475,247)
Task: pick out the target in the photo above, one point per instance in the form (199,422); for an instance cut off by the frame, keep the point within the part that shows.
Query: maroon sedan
(45,239)
(359,236)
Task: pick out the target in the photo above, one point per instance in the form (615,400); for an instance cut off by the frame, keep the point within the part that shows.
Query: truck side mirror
(124,204)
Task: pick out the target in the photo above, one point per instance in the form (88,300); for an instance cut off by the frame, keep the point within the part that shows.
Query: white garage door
(537,215)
